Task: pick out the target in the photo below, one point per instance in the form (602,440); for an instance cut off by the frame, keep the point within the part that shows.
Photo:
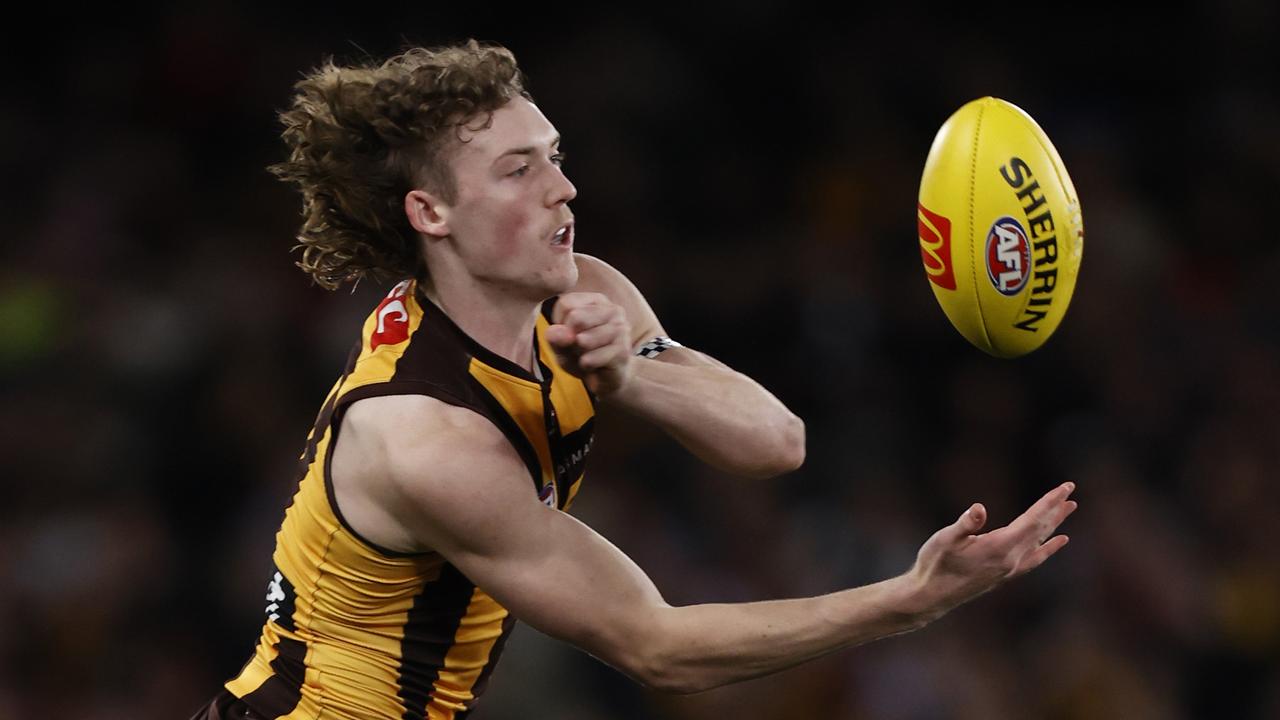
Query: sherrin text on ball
(1000,228)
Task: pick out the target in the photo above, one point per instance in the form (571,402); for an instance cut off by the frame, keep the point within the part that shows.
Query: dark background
(753,167)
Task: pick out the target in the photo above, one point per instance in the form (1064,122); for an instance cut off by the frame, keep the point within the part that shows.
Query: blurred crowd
(754,172)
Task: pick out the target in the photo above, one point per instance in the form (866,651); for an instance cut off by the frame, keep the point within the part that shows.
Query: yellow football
(1000,227)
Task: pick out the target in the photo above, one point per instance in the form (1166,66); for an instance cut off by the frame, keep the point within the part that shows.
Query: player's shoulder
(596,275)
(438,469)
(407,411)
(411,437)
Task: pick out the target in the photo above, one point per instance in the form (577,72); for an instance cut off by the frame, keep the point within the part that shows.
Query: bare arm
(468,495)
(722,416)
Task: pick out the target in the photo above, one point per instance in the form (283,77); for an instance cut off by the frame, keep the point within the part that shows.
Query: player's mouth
(563,237)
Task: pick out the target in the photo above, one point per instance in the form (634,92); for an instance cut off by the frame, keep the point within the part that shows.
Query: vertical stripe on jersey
(317,432)
(497,414)
(436,357)
(555,443)
(481,628)
(428,634)
(482,682)
(521,401)
(570,409)
(280,693)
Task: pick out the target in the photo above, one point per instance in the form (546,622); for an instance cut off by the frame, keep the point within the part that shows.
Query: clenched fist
(592,340)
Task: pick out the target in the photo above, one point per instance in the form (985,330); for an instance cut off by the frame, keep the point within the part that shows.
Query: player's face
(511,225)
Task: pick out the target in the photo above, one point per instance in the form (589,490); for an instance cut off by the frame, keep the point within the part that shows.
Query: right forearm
(710,645)
(705,646)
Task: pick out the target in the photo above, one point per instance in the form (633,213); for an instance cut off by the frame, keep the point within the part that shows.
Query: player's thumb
(973,519)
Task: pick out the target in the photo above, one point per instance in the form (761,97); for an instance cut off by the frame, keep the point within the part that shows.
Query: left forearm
(722,416)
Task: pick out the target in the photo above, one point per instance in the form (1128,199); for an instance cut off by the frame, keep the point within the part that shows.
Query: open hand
(957,564)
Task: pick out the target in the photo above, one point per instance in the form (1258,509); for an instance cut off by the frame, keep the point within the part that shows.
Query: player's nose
(561,190)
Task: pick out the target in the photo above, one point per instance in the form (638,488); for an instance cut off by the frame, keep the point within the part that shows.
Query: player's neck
(498,321)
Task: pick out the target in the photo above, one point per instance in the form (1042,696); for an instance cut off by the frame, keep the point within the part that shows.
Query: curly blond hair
(361,137)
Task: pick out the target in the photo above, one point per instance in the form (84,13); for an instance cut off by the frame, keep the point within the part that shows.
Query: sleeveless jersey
(358,631)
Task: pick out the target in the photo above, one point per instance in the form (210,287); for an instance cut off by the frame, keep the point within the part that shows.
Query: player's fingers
(569,301)
(561,337)
(1042,553)
(611,332)
(1068,507)
(587,317)
(601,357)
(1045,514)
(571,304)
(562,306)
(1049,522)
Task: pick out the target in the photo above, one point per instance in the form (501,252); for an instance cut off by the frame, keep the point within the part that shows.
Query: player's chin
(566,269)
(558,278)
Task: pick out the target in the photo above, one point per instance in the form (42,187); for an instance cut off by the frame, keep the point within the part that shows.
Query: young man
(430,507)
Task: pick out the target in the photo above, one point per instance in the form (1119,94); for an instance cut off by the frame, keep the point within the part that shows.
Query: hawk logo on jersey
(1008,256)
(393,318)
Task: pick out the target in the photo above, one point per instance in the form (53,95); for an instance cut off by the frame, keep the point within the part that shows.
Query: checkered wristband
(657,346)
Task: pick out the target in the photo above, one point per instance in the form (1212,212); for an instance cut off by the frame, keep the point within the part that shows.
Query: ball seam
(973,266)
(1064,181)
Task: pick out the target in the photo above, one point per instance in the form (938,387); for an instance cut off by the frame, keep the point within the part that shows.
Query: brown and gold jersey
(358,631)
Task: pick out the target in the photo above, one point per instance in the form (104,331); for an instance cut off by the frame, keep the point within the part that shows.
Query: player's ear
(427,213)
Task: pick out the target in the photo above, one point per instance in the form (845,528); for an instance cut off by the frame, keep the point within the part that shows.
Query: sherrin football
(1000,227)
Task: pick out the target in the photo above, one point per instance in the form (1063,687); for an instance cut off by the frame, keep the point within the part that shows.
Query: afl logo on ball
(1008,256)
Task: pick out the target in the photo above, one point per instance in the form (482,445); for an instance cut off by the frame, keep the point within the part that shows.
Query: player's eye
(557,159)
(519,172)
